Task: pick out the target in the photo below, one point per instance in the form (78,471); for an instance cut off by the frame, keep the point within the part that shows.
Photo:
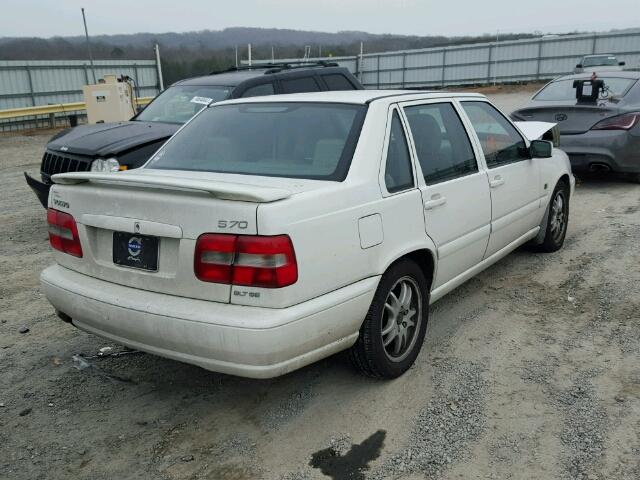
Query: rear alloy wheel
(557,219)
(393,331)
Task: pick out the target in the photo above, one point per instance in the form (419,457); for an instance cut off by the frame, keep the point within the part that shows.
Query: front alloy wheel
(557,219)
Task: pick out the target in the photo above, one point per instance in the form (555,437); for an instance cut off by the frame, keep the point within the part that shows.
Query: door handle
(497,181)
(436,201)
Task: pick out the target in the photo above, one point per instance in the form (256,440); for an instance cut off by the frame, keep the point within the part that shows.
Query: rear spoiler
(218,189)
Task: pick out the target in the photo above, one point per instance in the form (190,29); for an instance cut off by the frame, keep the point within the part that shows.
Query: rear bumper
(234,339)
(40,189)
(619,150)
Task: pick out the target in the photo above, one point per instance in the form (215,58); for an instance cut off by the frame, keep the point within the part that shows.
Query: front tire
(393,331)
(557,220)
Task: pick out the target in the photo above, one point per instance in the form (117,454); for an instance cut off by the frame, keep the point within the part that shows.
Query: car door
(514,178)
(454,187)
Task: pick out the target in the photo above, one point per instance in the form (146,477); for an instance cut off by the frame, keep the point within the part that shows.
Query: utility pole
(236,56)
(360,61)
(86,35)
(273,58)
(159,67)
(249,48)
(495,60)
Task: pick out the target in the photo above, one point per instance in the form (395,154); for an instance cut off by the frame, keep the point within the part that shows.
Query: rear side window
(299,85)
(501,142)
(259,90)
(398,174)
(295,140)
(336,81)
(442,144)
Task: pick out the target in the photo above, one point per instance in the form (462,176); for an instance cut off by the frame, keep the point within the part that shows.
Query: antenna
(86,34)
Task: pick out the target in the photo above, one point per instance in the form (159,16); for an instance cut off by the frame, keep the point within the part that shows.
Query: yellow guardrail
(53,109)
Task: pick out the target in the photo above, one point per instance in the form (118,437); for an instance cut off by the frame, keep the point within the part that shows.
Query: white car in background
(269,233)
(599,63)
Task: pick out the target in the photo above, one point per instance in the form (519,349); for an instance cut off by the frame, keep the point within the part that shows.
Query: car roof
(232,77)
(612,74)
(361,97)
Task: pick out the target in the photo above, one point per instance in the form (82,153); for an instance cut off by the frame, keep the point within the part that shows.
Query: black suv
(126,145)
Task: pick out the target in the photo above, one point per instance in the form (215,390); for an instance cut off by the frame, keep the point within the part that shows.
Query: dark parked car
(601,133)
(126,145)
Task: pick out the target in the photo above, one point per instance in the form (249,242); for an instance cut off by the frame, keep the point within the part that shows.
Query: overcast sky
(46,18)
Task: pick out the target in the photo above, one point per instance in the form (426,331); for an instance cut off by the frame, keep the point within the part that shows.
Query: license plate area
(135,251)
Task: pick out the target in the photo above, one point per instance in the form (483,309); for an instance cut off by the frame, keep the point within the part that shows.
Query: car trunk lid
(173,207)
(571,119)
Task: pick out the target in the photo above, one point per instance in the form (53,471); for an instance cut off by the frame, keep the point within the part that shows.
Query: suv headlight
(105,165)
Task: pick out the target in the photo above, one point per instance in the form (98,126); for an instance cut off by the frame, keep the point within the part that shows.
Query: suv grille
(53,163)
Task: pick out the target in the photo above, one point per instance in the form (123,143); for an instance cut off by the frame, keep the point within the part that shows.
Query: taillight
(63,233)
(248,260)
(214,256)
(619,122)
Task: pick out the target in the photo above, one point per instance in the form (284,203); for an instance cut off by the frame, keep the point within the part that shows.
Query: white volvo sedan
(270,233)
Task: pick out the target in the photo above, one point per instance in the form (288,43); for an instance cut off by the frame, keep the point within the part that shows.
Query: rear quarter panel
(324,226)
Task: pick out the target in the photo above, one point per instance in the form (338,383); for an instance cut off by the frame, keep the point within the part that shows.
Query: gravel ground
(529,370)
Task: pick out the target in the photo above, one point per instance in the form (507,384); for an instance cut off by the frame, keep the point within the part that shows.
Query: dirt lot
(530,370)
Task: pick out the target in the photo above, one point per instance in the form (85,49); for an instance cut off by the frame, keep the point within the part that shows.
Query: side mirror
(140,108)
(579,65)
(622,64)
(541,149)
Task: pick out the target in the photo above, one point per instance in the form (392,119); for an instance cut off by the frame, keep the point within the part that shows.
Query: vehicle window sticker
(202,100)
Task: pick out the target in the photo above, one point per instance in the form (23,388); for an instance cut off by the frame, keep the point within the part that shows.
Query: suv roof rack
(277,66)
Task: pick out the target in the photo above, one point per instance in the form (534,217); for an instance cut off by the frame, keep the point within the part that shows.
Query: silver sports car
(600,129)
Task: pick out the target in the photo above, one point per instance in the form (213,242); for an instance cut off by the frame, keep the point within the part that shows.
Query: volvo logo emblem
(134,246)
(561,117)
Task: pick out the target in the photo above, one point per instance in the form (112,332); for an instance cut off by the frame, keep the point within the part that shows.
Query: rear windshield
(179,103)
(563,89)
(604,60)
(297,140)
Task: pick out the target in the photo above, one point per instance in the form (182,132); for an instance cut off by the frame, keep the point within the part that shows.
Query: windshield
(563,89)
(607,60)
(296,140)
(179,103)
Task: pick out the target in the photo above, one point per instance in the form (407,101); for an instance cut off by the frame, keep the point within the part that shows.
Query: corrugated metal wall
(32,83)
(503,62)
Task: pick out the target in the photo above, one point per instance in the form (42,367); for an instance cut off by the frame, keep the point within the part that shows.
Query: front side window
(501,142)
(337,81)
(179,103)
(398,172)
(299,85)
(295,140)
(259,90)
(442,144)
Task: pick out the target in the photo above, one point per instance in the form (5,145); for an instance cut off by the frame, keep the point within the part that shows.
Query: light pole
(86,35)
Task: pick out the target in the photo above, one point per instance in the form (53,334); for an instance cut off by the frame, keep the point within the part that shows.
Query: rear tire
(557,220)
(393,331)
